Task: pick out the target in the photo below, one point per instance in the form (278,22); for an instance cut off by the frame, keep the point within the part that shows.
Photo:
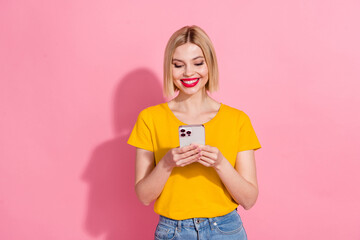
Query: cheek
(204,71)
(176,73)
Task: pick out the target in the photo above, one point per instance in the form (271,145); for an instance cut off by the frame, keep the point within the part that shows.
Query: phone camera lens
(183,135)
(182,130)
(188,133)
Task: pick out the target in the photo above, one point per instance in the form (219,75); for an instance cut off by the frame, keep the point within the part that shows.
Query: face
(189,69)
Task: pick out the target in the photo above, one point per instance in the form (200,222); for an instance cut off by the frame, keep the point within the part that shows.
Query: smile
(190,82)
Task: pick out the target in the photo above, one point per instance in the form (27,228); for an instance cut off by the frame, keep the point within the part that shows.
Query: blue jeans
(227,227)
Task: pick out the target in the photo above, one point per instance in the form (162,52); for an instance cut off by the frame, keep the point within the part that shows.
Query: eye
(177,66)
(199,64)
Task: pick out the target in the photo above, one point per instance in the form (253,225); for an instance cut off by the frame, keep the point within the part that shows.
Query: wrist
(222,165)
(164,165)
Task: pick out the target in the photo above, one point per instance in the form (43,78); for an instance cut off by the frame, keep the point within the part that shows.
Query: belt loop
(179,225)
(211,220)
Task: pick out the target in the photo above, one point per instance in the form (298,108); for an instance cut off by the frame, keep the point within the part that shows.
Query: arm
(150,179)
(241,181)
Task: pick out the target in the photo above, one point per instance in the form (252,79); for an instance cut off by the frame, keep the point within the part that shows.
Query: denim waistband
(191,222)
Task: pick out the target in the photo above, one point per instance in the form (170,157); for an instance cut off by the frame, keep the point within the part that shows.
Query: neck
(192,103)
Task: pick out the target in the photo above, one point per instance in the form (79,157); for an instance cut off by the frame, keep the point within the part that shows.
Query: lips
(190,82)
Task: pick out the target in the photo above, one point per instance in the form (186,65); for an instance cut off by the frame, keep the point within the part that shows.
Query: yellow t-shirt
(194,190)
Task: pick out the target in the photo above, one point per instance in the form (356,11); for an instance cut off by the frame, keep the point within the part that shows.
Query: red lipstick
(189,82)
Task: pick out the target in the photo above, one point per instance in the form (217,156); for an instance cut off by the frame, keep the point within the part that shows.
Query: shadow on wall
(114,211)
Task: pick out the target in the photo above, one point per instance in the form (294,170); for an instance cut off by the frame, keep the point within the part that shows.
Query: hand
(210,156)
(180,157)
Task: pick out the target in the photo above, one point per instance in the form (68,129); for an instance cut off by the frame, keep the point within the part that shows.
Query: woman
(197,188)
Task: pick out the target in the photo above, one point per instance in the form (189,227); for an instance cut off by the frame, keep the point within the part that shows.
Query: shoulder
(235,117)
(155,108)
(234,112)
(152,111)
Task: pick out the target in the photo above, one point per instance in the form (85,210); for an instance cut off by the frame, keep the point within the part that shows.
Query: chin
(191,91)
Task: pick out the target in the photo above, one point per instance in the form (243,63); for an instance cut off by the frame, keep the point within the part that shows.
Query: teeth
(190,82)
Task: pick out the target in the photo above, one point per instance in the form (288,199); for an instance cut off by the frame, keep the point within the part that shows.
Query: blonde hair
(190,34)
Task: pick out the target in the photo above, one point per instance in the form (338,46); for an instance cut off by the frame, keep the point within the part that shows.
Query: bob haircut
(190,34)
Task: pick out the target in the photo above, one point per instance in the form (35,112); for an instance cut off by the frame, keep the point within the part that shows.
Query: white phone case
(191,134)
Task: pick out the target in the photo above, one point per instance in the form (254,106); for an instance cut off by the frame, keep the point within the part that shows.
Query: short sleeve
(247,137)
(140,136)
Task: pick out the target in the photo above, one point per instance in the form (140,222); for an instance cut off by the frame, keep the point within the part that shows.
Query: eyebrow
(174,59)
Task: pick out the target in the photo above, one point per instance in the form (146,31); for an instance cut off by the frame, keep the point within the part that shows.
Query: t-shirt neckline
(182,123)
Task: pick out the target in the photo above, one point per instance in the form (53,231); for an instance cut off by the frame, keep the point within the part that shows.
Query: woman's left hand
(210,156)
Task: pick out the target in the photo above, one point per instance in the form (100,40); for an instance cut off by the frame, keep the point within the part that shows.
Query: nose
(189,71)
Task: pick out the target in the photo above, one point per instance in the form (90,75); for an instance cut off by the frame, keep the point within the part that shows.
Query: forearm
(241,190)
(150,187)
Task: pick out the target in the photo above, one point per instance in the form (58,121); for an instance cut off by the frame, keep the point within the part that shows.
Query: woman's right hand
(180,157)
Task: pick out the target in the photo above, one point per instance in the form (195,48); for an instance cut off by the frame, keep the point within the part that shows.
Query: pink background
(74,75)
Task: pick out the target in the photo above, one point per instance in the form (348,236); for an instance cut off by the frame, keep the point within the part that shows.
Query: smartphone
(189,134)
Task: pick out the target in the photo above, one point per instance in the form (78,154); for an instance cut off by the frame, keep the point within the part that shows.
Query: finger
(208,148)
(194,157)
(189,153)
(208,155)
(200,146)
(188,160)
(208,160)
(206,164)
(196,145)
(187,148)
